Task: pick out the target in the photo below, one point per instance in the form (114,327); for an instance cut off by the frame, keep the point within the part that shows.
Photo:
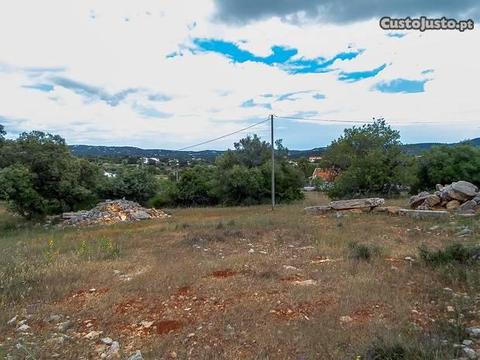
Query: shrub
(362,251)
(446,164)
(132,183)
(166,196)
(455,253)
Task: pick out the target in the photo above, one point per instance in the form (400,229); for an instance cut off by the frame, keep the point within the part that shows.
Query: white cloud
(117,45)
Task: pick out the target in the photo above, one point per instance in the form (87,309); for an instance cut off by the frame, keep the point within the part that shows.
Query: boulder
(477,199)
(424,214)
(465,188)
(419,199)
(369,203)
(460,190)
(467,206)
(317,210)
(433,200)
(453,204)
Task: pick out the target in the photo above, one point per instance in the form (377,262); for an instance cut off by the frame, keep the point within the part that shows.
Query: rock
(12,320)
(433,200)
(424,214)
(439,187)
(464,232)
(64,326)
(92,335)
(140,215)
(137,355)
(114,350)
(465,188)
(453,204)
(308,282)
(473,331)
(106,340)
(345,319)
(419,199)
(146,324)
(54,318)
(317,210)
(469,205)
(367,203)
(477,199)
(467,342)
(111,212)
(470,353)
(23,328)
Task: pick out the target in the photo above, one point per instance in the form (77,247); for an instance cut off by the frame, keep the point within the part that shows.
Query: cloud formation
(341,11)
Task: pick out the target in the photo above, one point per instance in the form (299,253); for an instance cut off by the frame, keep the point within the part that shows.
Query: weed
(51,251)
(455,253)
(363,251)
(109,249)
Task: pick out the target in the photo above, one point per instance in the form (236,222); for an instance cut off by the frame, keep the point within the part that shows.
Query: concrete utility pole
(273,162)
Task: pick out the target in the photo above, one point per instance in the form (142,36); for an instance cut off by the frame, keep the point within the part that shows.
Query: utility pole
(273,162)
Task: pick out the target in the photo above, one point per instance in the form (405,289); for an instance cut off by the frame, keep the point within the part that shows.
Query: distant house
(314,159)
(327,175)
(109,174)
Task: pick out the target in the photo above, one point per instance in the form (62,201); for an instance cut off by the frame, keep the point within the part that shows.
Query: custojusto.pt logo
(423,24)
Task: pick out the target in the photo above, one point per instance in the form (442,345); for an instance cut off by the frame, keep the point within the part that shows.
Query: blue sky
(151,74)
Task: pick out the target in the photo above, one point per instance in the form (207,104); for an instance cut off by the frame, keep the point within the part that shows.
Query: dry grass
(229,284)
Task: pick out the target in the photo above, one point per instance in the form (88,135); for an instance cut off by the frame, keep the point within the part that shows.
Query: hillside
(93,150)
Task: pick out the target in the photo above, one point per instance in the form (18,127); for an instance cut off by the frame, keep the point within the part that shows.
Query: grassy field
(237,283)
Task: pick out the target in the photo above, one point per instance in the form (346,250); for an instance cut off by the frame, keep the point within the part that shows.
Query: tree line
(39,176)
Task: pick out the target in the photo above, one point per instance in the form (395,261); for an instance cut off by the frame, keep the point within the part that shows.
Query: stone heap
(353,205)
(460,196)
(111,212)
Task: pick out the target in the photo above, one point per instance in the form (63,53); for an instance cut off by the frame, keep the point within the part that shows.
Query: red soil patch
(302,310)
(167,326)
(81,296)
(224,273)
(152,306)
(183,291)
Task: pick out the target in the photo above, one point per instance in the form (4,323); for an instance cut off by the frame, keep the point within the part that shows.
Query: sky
(172,73)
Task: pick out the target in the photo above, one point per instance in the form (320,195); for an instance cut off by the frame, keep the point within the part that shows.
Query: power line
(223,136)
(325,120)
(351,121)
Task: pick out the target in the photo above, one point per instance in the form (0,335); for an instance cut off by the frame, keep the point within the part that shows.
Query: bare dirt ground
(236,283)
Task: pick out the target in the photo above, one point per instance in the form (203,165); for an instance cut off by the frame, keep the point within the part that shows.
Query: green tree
(17,186)
(136,183)
(371,161)
(446,164)
(198,186)
(62,181)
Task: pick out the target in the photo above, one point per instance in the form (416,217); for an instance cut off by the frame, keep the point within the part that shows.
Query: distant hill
(108,151)
(111,151)
(416,149)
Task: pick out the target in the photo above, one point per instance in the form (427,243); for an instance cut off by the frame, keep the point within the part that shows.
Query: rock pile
(461,196)
(355,205)
(111,212)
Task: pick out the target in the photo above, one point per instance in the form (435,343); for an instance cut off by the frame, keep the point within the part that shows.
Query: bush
(446,164)
(132,183)
(363,251)
(166,196)
(455,253)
